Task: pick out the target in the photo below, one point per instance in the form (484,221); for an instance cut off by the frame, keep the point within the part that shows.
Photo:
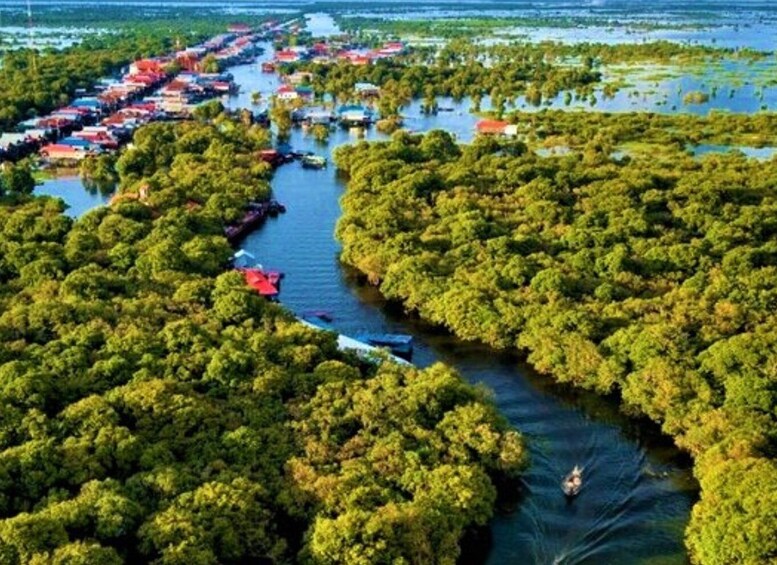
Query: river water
(639,489)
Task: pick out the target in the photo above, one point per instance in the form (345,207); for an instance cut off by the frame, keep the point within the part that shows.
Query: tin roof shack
(300,78)
(259,281)
(322,117)
(288,56)
(366,90)
(103,139)
(91,103)
(354,116)
(287,92)
(355,58)
(272,157)
(305,92)
(239,28)
(147,66)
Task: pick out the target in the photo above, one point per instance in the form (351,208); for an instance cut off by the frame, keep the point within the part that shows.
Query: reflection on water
(70,188)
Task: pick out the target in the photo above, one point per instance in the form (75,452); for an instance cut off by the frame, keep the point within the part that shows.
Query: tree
(16,179)
(209,64)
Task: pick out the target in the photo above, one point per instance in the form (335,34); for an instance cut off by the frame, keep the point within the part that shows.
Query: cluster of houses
(104,118)
(297,86)
(187,89)
(235,47)
(347,115)
(330,52)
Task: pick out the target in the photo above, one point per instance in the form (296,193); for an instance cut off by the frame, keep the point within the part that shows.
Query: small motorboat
(313,162)
(573,482)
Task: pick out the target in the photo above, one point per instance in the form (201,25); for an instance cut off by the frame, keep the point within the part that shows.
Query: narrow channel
(639,491)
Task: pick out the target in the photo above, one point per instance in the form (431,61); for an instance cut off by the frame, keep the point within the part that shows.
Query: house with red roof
(287,92)
(147,66)
(491,127)
(258,280)
(287,56)
(239,28)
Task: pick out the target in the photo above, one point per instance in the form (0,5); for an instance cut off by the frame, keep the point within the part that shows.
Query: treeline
(473,26)
(153,408)
(652,279)
(118,15)
(456,70)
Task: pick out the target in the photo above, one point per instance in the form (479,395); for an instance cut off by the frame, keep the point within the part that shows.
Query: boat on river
(573,482)
(313,162)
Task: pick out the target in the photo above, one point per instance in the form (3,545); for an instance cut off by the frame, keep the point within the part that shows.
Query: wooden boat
(313,162)
(573,482)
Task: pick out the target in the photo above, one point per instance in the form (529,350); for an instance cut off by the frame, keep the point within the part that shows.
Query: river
(639,489)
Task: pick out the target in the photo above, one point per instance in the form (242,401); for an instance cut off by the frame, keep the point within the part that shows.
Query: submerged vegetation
(538,72)
(652,279)
(154,408)
(480,27)
(457,70)
(100,172)
(642,133)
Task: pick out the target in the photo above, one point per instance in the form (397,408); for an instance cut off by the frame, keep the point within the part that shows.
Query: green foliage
(209,64)
(16,179)
(320,133)
(156,409)
(100,171)
(208,110)
(651,278)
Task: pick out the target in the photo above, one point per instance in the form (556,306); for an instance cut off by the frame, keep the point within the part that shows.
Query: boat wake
(577,530)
